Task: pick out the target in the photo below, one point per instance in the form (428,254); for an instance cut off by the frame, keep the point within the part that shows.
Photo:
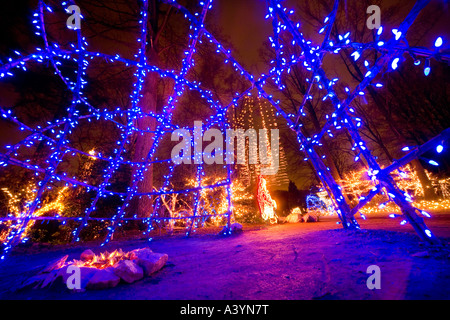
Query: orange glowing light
(266,204)
(18,210)
(105,259)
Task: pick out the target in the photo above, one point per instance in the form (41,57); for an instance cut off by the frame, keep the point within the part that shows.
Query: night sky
(243,22)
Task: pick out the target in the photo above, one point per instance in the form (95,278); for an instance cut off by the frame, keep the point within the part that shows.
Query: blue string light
(56,133)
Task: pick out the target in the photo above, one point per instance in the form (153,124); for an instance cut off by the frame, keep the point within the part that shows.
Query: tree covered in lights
(123,84)
(255,113)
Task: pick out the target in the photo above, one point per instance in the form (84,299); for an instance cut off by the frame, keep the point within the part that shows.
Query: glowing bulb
(438,42)
(380,30)
(355,55)
(432,162)
(439,148)
(427,69)
(394,63)
(426,214)
(397,33)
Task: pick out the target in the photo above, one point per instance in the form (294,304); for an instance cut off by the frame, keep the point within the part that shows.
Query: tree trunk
(325,148)
(428,191)
(144,141)
(329,162)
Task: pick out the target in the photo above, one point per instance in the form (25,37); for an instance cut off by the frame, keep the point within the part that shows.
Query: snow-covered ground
(289,261)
